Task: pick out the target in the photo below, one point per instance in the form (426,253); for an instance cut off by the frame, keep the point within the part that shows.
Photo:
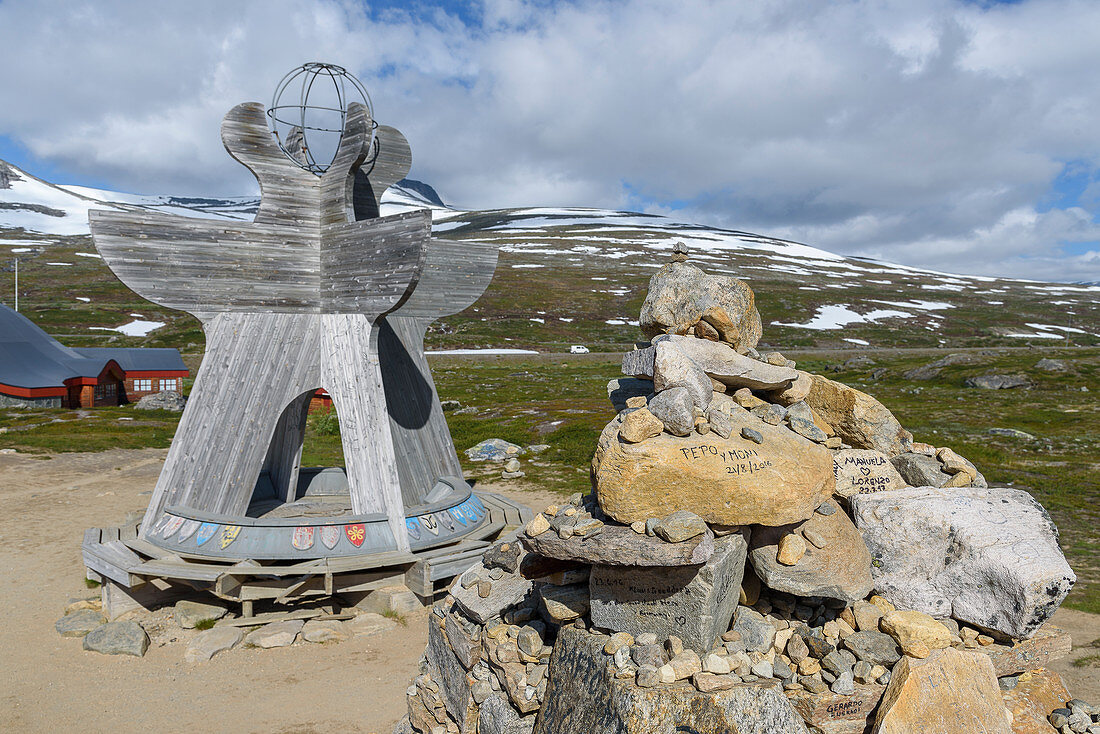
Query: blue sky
(946,134)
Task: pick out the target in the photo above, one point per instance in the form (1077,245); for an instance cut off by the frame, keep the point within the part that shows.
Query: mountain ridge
(566,276)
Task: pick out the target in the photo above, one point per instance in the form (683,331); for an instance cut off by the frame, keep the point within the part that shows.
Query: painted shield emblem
(159,527)
(356,533)
(229,534)
(171,527)
(430,524)
(330,536)
(413,527)
(303,537)
(206,532)
(188,529)
(459,514)
(445,520)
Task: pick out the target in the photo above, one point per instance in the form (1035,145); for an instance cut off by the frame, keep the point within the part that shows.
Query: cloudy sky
(961,136)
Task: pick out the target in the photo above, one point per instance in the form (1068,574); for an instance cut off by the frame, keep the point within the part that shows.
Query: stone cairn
(766,551)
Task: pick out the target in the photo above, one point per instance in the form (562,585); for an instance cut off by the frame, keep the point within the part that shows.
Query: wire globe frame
(296,147)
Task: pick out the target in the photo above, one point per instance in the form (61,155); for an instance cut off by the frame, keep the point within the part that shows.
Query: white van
(578,349)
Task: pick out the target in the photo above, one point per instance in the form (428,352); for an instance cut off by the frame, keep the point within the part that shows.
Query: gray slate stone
(210,642)
(807,429)
(583,696)
(756,632)
(79,623)
(403,727)
(450,674)
(877,648)
(505,592)
(673,368)
(189,613)
(725,365)
(989,556)
(919,470)
(167,400)
(497,716)
(118,638)
(694,603)
(618,545)
(675,409)
(680,526)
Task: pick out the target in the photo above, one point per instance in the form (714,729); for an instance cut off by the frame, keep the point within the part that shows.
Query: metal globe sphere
(308,111)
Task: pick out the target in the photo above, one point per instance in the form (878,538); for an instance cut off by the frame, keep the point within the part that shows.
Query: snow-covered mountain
(576,275)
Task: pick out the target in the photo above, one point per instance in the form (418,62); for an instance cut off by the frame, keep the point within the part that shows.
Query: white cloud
(923,131)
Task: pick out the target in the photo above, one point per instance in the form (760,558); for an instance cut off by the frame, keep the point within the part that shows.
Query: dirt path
(48,683)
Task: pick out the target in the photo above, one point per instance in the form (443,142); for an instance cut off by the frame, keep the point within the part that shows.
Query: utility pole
(17,285)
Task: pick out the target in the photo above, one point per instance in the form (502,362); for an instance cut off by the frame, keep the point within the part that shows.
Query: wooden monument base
(138,574)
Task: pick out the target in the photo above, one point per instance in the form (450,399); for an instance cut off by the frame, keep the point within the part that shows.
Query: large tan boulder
(950,692)
(730,481)
(681,295)
(859,419)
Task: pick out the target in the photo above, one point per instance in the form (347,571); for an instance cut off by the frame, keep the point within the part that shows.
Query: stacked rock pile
(765,550)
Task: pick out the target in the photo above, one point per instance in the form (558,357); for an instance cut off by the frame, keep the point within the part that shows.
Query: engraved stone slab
(863,471)
(618,545)
(695,603)
(833,713)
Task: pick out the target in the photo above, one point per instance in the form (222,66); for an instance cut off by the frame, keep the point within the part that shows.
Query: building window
(143,385)
(170,384)
(106,391)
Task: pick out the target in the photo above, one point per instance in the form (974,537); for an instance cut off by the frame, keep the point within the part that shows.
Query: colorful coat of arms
(330,536)
(229,534)
(171,527)
(206,532)
(303,537)
(356,533)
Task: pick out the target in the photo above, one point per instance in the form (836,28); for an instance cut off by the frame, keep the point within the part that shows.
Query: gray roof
(31,358)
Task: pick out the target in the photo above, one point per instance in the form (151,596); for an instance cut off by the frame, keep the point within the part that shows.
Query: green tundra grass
(562,401)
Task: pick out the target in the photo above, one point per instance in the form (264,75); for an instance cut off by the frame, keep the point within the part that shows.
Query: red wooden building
(36,369)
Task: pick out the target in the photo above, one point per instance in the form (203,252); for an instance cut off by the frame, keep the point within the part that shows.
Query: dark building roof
(31,358)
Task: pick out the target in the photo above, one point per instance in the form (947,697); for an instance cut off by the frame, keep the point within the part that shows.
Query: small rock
(322,631)
(752,435)
(512,465)
(912,630)
(166,400)
(118,638)
(189,613)
(538,525)
(998,382)
(530,642)
(679,526)
(675,410)
(276,634)
(791,549)
(493,449)
(210,642)
(640,425)
(617,641)
(369,623)
(807,429)
(756,632)
(638,526)
(79,623)
(647,677)
(844,684)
